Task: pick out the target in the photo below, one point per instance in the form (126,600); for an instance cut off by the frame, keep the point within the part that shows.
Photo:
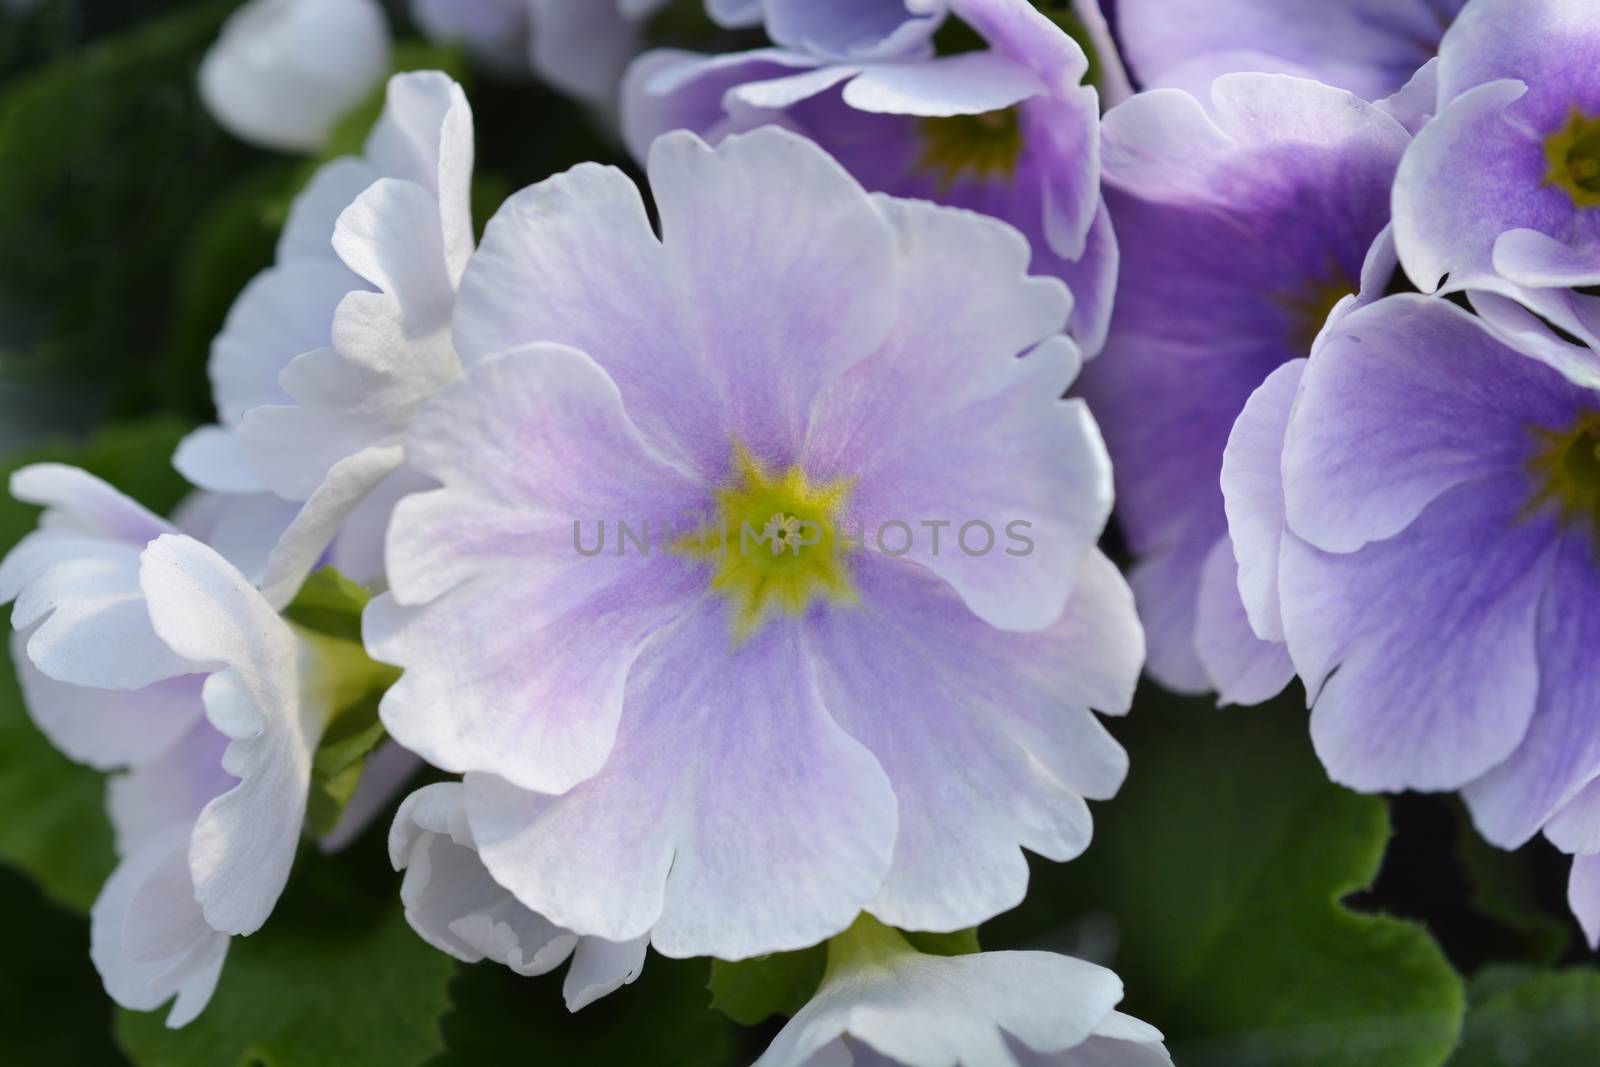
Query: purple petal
(1241,667)
(1420,652)
(515,643)
(946,424)
(1406,399)
(734,817)
(987,737)
(1561,752)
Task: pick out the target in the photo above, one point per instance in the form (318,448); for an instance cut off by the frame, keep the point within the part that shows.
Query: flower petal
(987,736)
(946,424)
(1433,636)
(1252,492)
(1561,752)
(1241,667)
(1405,400)
(124,908)
(734,817)
(107,728)
(970,83)
(245,840)
(933,1011)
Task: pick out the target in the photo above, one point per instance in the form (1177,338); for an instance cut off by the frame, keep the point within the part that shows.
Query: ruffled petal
(946,425)
(535,452)
(734,817)
(987,737)
(244,841)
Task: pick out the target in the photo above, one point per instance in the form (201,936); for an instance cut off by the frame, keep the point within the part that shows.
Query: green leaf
(661,1020)
(55,827)
(112,162)
(44,975)
(1224,861)
(1523,1016)
(335,979)
(331,604)
(232,241)
(1502,890)
(340,761)
(327,611)
(959,943)
(751,991)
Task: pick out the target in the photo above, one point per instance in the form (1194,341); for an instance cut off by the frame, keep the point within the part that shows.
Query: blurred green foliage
(1224,861)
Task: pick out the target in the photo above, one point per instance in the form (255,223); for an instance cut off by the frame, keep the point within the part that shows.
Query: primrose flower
(884,1003)
(1242,225)
(325,356)
(1498,195)
(141,650)
(1433,547)
(1008,130)
(579,46)
(1370,47)
(285,71)
(116,675)
(839,29)
(456,906)
(693,736)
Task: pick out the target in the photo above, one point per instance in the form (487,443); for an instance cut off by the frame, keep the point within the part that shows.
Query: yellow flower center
(1309,307)
(978,146)
(1573,152)
(1566,470)
(775,543)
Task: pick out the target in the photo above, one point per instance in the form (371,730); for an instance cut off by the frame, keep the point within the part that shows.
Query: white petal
(284,71)
(967,84)
(450,899)
(932,1011)
(107,728)
(126,910)
(244,841)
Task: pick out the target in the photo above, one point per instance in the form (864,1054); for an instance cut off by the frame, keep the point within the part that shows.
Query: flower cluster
(730,546)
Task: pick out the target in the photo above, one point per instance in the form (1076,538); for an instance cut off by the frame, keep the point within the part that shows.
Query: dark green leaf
(1224,861)
(1526,1018)
(331,604)
(1502,890)
(45,974)
(335,979)
(662,1020)
(752,991)
(110,164)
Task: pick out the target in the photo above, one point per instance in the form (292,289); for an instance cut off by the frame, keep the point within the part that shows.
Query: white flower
(882,1004)
(284,71)
(142,649)
(326,355)
(456,906)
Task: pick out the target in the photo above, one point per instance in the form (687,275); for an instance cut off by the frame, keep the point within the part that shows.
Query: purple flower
(1008,130)
(1241,227)
(579,46)
(737,746)
(1500,194)
(838,29)
(1370,47)
(1430,551)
